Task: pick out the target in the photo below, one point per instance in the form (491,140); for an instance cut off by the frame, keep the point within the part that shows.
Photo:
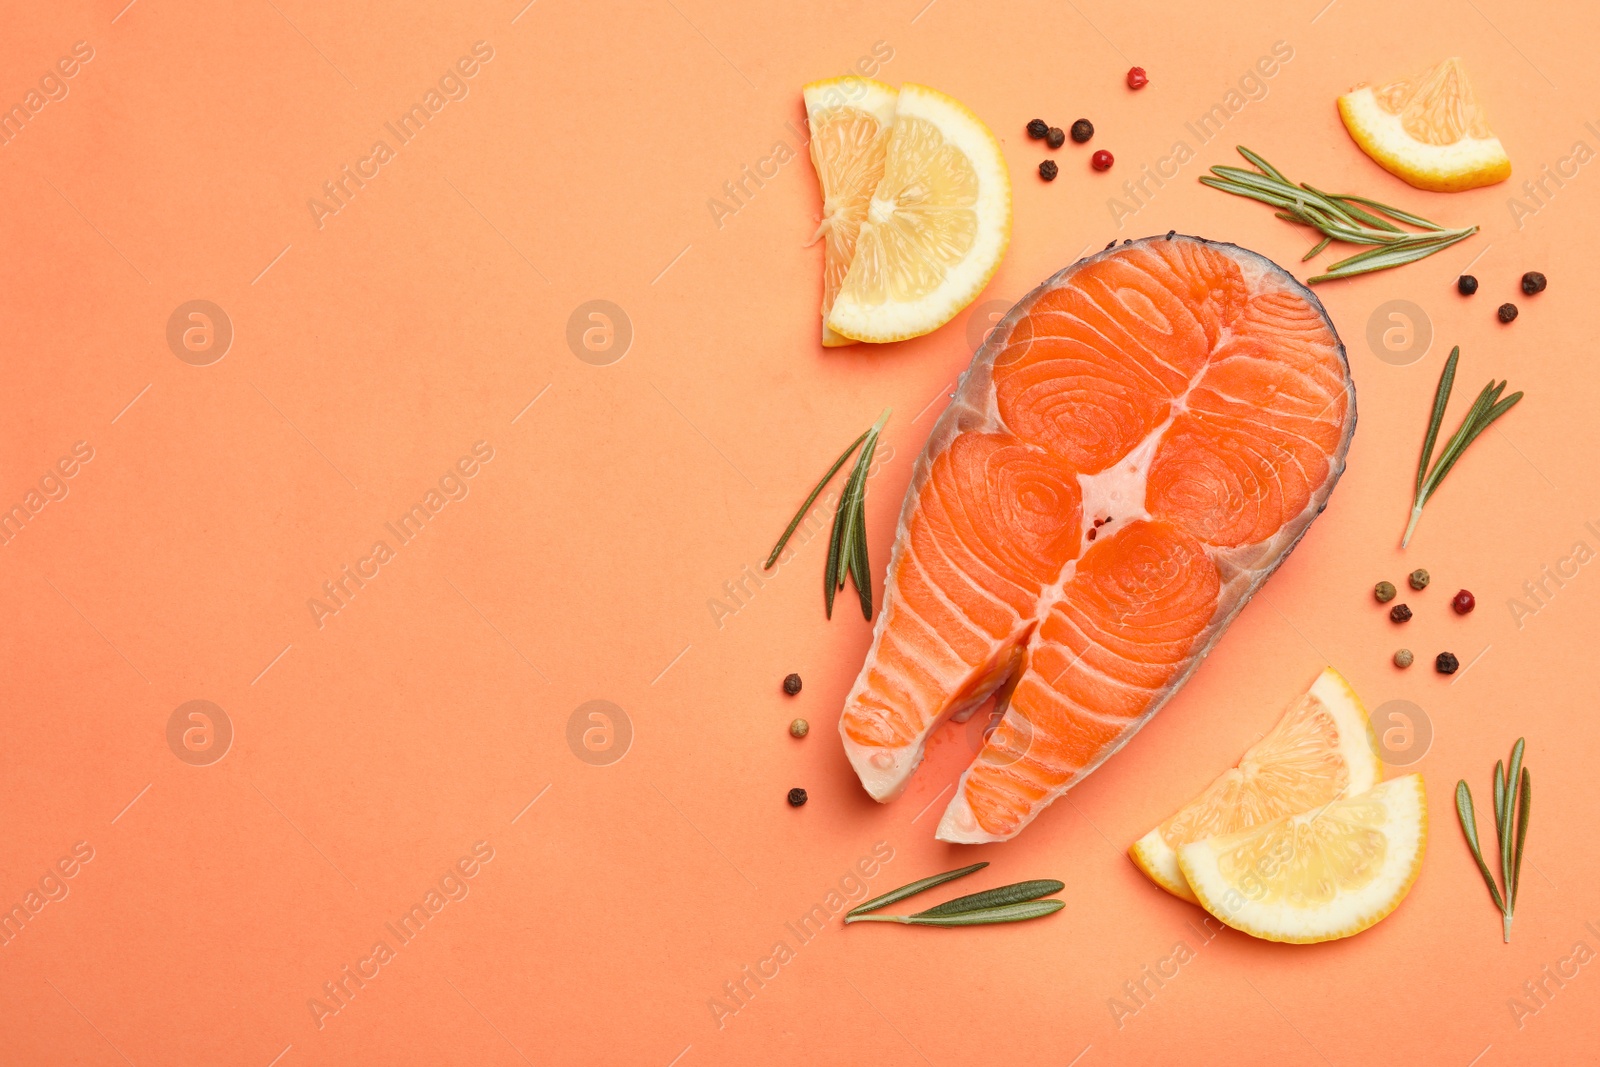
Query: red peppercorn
(1102,160)
(1137,78)
(1463,602)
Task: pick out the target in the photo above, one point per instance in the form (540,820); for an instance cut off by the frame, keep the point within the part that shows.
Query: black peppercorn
(1400,613)
(797,797)
(791,684)
(1038,128)
(1048,170)
(1082,130)
(1466,285)
(1507,312)
(1446,663)
(1055,138)
(1533,282)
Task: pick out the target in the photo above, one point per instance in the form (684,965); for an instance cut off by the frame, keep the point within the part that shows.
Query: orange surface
(603,544)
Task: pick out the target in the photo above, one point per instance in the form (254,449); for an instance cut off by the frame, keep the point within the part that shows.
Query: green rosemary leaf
(1499,802)
(1339,217)
(1481,419)
(1266,168)
(1469,828)
(1016,893)
(1318,247)
(911,889)
(1394,253)
(1009,913)
(1507,844)
(1524,801)
(1441,400)
(1354,213)
(832,577)
(1393,212)
(794,523)
(1484,411)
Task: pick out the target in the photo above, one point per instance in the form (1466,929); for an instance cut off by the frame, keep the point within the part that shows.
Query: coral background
(636,870)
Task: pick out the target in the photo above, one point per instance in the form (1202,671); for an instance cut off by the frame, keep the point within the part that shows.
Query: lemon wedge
(1324,874)
(1322,749)
(850,120)
(1428,130)
(936,227)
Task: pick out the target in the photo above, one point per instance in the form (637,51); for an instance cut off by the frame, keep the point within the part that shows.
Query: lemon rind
(1469,163)
(1407,832)
(1358,746)
(961,285)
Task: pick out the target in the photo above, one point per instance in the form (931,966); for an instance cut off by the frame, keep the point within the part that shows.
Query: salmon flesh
(1134,449)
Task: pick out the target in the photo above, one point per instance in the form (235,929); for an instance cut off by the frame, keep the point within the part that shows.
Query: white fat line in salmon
(1141,989)
(850,888)
(1249,87)
(1538,592)
(738,592)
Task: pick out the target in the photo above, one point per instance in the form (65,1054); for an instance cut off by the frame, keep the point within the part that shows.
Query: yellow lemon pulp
(850,119)
(1323,874)
(936,228)
(1321,749)
(1428,129)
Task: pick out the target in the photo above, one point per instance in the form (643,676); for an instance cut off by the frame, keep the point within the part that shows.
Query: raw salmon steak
(1135,448)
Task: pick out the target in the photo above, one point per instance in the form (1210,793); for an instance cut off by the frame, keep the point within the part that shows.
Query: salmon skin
(1135,448)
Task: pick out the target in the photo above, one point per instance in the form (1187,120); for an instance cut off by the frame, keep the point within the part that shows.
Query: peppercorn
(791,684)
(797,797)
(1533,282)
(1383,592)
(799,728)
(1048,170)
(1102,160)
(1446,663)
(1054,137)
(1418,579)
(1399,613)
(1466,285)
(1507,312)
(1137,78)
(1082,130)
(1463,602)
(1038,128)
(1403,658)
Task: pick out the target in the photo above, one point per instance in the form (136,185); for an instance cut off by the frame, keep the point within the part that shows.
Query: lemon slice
(1327,873)
(1428,130)
(850,120)
(936,227)
(1321,749)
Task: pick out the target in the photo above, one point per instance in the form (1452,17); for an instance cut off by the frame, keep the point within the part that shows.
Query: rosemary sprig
(1513,799)
(911,889)
(1005,904)
(1016,893)
(1006,913)
(1338,217)
(847,545)
(1484,410)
